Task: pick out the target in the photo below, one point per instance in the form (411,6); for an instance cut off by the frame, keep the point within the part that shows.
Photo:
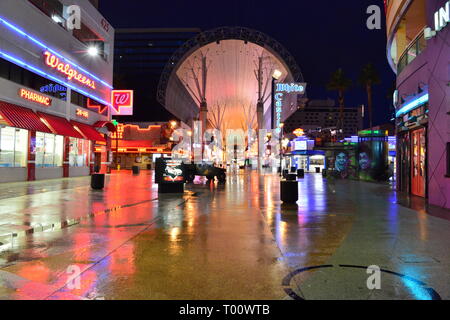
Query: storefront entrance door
(418,163)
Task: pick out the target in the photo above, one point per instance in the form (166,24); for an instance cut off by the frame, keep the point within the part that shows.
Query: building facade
(56,71)
(140,144)
(324,114)
(419,52)
(142,54)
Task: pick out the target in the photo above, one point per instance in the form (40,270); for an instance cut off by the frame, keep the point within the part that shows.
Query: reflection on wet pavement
(232,241)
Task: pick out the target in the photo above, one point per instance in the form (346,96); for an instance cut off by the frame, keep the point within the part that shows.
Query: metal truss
(225,33)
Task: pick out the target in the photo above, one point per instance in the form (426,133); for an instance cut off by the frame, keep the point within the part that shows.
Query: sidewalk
(29,207)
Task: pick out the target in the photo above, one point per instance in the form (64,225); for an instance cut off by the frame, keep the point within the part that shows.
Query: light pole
(191,153)
(281,148)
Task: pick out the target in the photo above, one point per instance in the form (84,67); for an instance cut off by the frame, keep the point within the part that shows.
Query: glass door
(418,163)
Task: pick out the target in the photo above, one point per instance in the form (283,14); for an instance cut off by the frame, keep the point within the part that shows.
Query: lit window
(13,147)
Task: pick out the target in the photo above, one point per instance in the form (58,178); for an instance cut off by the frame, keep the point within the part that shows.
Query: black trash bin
(317,169)
(300,173)
(98,181)
(291,177)
(293,169)
(136,169)
(285,173)
(324,172)
(289,191)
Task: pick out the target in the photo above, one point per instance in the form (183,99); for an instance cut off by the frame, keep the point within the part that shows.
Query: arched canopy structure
(230,69)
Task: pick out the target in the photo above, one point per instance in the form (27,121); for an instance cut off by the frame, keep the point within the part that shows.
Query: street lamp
(191,153)
(276,75)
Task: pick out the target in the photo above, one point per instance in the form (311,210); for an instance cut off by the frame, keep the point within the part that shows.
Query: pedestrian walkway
(232,241)
(29,207)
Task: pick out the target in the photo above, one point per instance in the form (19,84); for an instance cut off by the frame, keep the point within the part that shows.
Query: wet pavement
(232,241)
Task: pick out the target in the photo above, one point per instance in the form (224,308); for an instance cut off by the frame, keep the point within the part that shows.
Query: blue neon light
(39,43)
(413,104)
(48,76)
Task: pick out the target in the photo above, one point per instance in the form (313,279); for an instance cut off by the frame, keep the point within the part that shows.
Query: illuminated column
(31,165)
(66,157)
(203,115)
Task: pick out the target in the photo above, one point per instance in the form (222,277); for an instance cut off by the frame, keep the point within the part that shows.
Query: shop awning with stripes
(20,117)
(60,125)
(88,131)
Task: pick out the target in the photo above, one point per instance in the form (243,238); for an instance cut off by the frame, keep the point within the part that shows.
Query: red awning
(109,125)
(23,118)
(89,131)
(60,125)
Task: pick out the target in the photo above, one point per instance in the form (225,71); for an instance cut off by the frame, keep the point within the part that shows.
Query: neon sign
(122,102)
(280,90)
(413,105)
(35,97)
(82,113)
(299,132)
(441,19)
(54,62)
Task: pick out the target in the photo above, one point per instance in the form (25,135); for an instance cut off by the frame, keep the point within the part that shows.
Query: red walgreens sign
(122,102)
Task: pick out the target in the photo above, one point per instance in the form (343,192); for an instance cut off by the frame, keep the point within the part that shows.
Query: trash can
(317,169)
(285,173)
(136,169)
(293,169)
(291,177)
(289,191)
(98,181)
(300,173)
(324,172)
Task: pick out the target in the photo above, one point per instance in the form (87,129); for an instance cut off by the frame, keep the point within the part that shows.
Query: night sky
(322,35)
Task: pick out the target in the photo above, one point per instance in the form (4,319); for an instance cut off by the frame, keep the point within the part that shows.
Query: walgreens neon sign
(54,62)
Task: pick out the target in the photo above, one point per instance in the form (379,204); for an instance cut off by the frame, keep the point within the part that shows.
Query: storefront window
(49,150)
(79,152)
(13,147)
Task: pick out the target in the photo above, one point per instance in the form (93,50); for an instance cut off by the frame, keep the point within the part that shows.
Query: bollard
(289,191)
(98,181)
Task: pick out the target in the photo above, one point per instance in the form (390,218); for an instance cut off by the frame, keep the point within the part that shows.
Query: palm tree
(340,83)
(367,78)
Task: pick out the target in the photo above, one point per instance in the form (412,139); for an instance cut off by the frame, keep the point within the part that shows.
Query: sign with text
(122,102)
(35,97)
(281,90)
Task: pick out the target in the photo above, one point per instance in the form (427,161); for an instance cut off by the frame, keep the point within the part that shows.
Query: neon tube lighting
(48,76)
(412,105)
(39,43)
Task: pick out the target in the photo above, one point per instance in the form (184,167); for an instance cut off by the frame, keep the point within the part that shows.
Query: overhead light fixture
(57,18)
(277,74)
(92,51)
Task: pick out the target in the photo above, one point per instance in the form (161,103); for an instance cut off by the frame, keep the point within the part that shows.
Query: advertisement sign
(122,102)
(169,171)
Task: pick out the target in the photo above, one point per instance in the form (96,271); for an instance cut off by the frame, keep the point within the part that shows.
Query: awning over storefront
(20,117)
(60,125)
(89,131)
(109,125)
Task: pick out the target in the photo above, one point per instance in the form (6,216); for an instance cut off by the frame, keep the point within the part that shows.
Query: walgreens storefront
(38,145)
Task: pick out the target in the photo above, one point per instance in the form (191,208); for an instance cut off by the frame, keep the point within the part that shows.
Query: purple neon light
(39,71)
(39,43)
